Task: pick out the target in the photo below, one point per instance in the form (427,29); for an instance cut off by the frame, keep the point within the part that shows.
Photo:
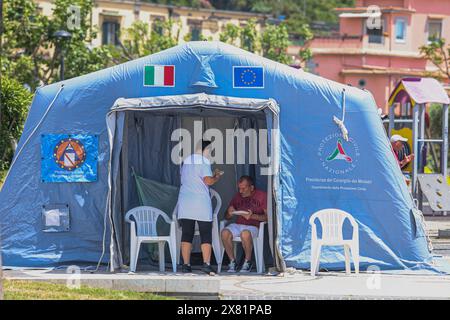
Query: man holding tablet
(250,207)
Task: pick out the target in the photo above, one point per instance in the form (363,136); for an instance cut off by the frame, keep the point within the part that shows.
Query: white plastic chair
(143,230)
(258,246)
(216,243)
(332,221)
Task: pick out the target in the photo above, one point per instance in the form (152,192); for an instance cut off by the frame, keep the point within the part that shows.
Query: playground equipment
(436,190)
(412,95)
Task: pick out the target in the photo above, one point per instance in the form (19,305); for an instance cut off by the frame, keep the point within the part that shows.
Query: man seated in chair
(253,201)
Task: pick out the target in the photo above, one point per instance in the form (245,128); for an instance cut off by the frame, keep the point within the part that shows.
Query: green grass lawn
(29,290)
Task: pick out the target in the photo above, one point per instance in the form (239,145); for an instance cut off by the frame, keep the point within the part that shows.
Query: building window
(400,30)
(110,32)
(196,32)
(434,30)
(362,83)
(195,29)
(375,35)
(157,24)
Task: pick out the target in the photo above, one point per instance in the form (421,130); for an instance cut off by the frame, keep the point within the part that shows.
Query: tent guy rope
(339,122)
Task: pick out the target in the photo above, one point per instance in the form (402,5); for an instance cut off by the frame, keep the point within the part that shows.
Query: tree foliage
(296,12)
(24,32)
(141,40)
(249,37)
(30,52)
(185,3)
(230,34)
(272,43)
(275,40)
(30,57)
(14,99)
(438,52)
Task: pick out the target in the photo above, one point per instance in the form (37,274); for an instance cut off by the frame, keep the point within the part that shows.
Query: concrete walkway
(298,285)
(294,284)
(337,286)
(163,283)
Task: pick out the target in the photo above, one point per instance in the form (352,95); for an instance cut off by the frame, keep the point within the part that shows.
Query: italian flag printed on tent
(159,76)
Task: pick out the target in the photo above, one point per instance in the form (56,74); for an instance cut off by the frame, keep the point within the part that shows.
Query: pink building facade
(375,54)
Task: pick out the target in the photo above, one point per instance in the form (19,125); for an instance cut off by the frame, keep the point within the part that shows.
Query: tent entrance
(145,135)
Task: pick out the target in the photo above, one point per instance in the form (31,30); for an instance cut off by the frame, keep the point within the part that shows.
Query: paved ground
(300,285)
(337,286)
(441,246)
(293,284)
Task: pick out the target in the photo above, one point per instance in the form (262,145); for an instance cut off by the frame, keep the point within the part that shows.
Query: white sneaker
(232,267)
(246,267)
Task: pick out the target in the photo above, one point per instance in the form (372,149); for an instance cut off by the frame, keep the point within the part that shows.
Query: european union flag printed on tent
(248,77)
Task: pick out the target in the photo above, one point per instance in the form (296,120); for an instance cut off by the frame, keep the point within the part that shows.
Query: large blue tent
(70,182)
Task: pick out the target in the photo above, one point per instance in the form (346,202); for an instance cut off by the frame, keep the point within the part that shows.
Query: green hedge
(14,102)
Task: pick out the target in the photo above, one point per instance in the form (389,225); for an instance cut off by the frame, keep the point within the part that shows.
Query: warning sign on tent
(69,158)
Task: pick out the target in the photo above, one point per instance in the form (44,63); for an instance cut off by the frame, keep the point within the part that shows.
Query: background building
(113,16)
(376,58)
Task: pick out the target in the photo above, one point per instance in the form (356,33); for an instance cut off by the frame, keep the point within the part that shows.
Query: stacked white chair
(332,221)
(143,230)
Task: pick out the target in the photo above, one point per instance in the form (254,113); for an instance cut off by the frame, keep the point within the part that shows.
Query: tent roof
(193,100)
(419,90)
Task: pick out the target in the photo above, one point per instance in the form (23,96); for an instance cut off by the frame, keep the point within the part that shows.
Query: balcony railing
(338,42)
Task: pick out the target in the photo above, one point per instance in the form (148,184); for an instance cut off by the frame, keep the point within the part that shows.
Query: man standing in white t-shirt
(194,205)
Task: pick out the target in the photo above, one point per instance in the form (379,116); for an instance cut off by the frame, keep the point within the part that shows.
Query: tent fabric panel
(384,205)
(307,104)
